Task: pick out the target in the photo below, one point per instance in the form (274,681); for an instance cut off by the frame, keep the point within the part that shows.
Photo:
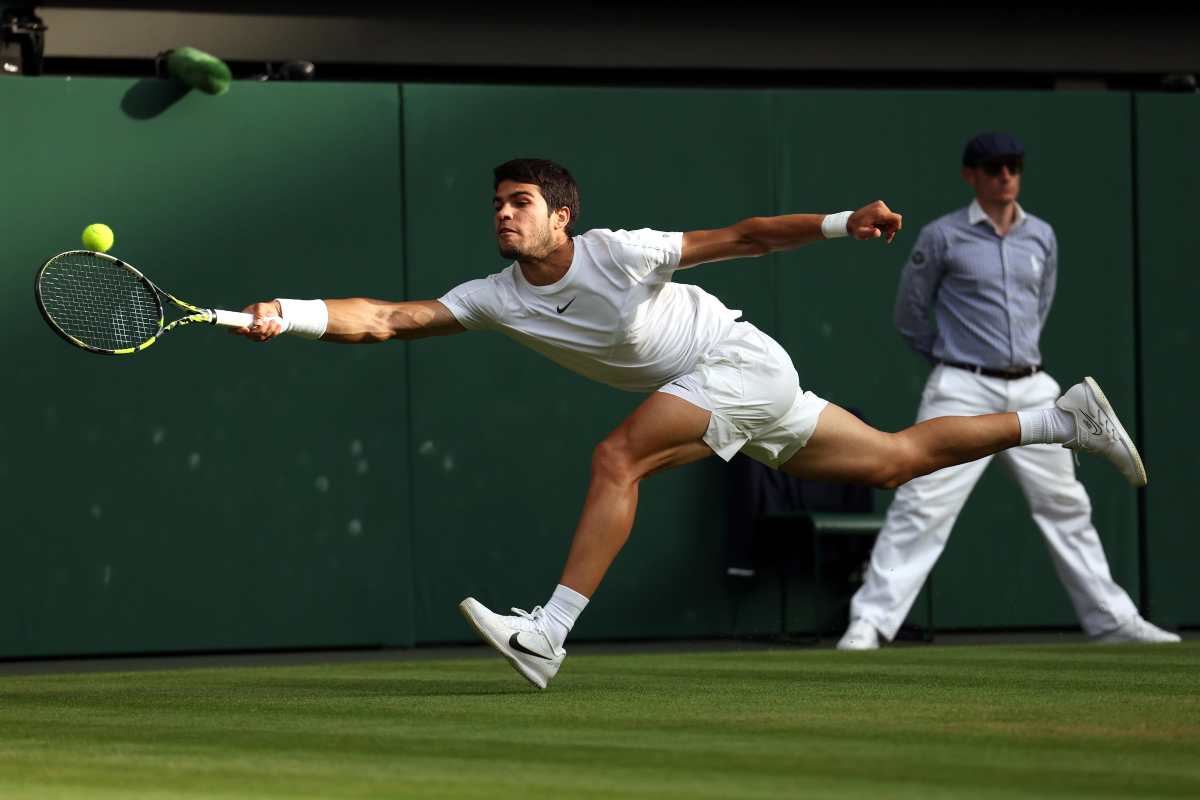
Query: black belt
(1007,374)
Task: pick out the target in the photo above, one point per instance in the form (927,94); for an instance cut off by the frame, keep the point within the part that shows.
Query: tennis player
(602,303)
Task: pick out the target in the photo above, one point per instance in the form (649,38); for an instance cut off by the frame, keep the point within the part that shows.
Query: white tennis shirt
(614,317)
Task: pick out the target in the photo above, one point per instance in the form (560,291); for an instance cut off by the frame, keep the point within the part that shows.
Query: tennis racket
(104,305)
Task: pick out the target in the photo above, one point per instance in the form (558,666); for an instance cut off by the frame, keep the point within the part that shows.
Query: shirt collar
(976,215)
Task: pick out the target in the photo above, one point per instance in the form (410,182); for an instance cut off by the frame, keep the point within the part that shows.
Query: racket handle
(236,319)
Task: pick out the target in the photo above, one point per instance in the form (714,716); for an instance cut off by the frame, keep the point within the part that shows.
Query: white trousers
(924,510)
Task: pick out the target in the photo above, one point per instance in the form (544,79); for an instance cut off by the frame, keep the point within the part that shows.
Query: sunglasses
(992,167)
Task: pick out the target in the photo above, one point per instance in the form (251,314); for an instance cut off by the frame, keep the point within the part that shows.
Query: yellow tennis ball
(98,237)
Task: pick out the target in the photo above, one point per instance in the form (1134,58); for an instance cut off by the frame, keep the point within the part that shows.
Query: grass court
(1026,721)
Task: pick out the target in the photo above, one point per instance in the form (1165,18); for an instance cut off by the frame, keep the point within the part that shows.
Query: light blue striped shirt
(968,294)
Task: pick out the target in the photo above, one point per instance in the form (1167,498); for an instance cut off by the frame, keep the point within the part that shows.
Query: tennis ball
(98,237)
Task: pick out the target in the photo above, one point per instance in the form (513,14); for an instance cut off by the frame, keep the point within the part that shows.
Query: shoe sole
(1142,478)
(466,607)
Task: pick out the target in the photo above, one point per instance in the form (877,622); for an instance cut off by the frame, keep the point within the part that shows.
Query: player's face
(997,182)
(522,221)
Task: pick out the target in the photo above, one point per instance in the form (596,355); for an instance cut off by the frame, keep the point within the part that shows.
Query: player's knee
(611,461)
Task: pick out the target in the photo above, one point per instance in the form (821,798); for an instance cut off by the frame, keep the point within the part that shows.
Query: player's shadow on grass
(150,97)
(455,688)
(406,687)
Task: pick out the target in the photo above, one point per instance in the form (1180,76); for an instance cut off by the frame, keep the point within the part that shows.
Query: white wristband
(308,318)
(834,225)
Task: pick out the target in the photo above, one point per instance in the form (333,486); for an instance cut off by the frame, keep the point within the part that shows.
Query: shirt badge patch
(918,257)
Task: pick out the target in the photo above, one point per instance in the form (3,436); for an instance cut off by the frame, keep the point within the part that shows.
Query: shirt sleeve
(1049,281)
(646,254)
(473,303)
(919,282)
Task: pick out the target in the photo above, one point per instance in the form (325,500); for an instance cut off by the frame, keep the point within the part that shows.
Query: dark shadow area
(298,658)
(150,97)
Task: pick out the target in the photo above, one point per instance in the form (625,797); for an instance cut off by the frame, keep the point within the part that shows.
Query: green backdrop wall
(314,495)
(1169,182)
(205,494)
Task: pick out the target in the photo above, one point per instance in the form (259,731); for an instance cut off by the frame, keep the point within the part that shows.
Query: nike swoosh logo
(564,308)
(1092,424)
(515,643)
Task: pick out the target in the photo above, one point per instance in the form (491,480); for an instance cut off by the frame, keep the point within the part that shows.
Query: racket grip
(236,319)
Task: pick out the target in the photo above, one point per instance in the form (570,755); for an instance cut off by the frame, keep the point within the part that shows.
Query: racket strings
(99,302)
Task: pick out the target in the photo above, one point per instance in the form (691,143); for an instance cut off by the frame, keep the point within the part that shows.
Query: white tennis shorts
(748,383)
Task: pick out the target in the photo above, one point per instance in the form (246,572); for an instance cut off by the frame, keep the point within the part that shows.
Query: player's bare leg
(665,431)
(844,448)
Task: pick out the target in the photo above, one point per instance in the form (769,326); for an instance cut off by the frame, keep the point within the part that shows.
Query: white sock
(563,608)
(1046,426)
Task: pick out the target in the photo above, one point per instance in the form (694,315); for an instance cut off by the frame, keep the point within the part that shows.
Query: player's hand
(266,325)
(873,221)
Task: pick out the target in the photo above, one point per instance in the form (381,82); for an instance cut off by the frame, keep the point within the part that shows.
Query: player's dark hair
(556,184)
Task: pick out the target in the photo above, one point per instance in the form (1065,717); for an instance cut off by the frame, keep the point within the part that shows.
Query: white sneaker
(861,635)
(1097,430)
(1137,631)
(521,639)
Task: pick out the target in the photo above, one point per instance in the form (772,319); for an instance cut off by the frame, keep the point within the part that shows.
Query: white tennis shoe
(1137,631)
(861,635)
(1097,430)
(522,639)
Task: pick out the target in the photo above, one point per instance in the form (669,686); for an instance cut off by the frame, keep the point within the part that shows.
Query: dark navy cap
(991,145)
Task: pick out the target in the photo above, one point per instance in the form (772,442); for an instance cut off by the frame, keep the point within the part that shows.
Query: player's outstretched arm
(761,235)
(360,320)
